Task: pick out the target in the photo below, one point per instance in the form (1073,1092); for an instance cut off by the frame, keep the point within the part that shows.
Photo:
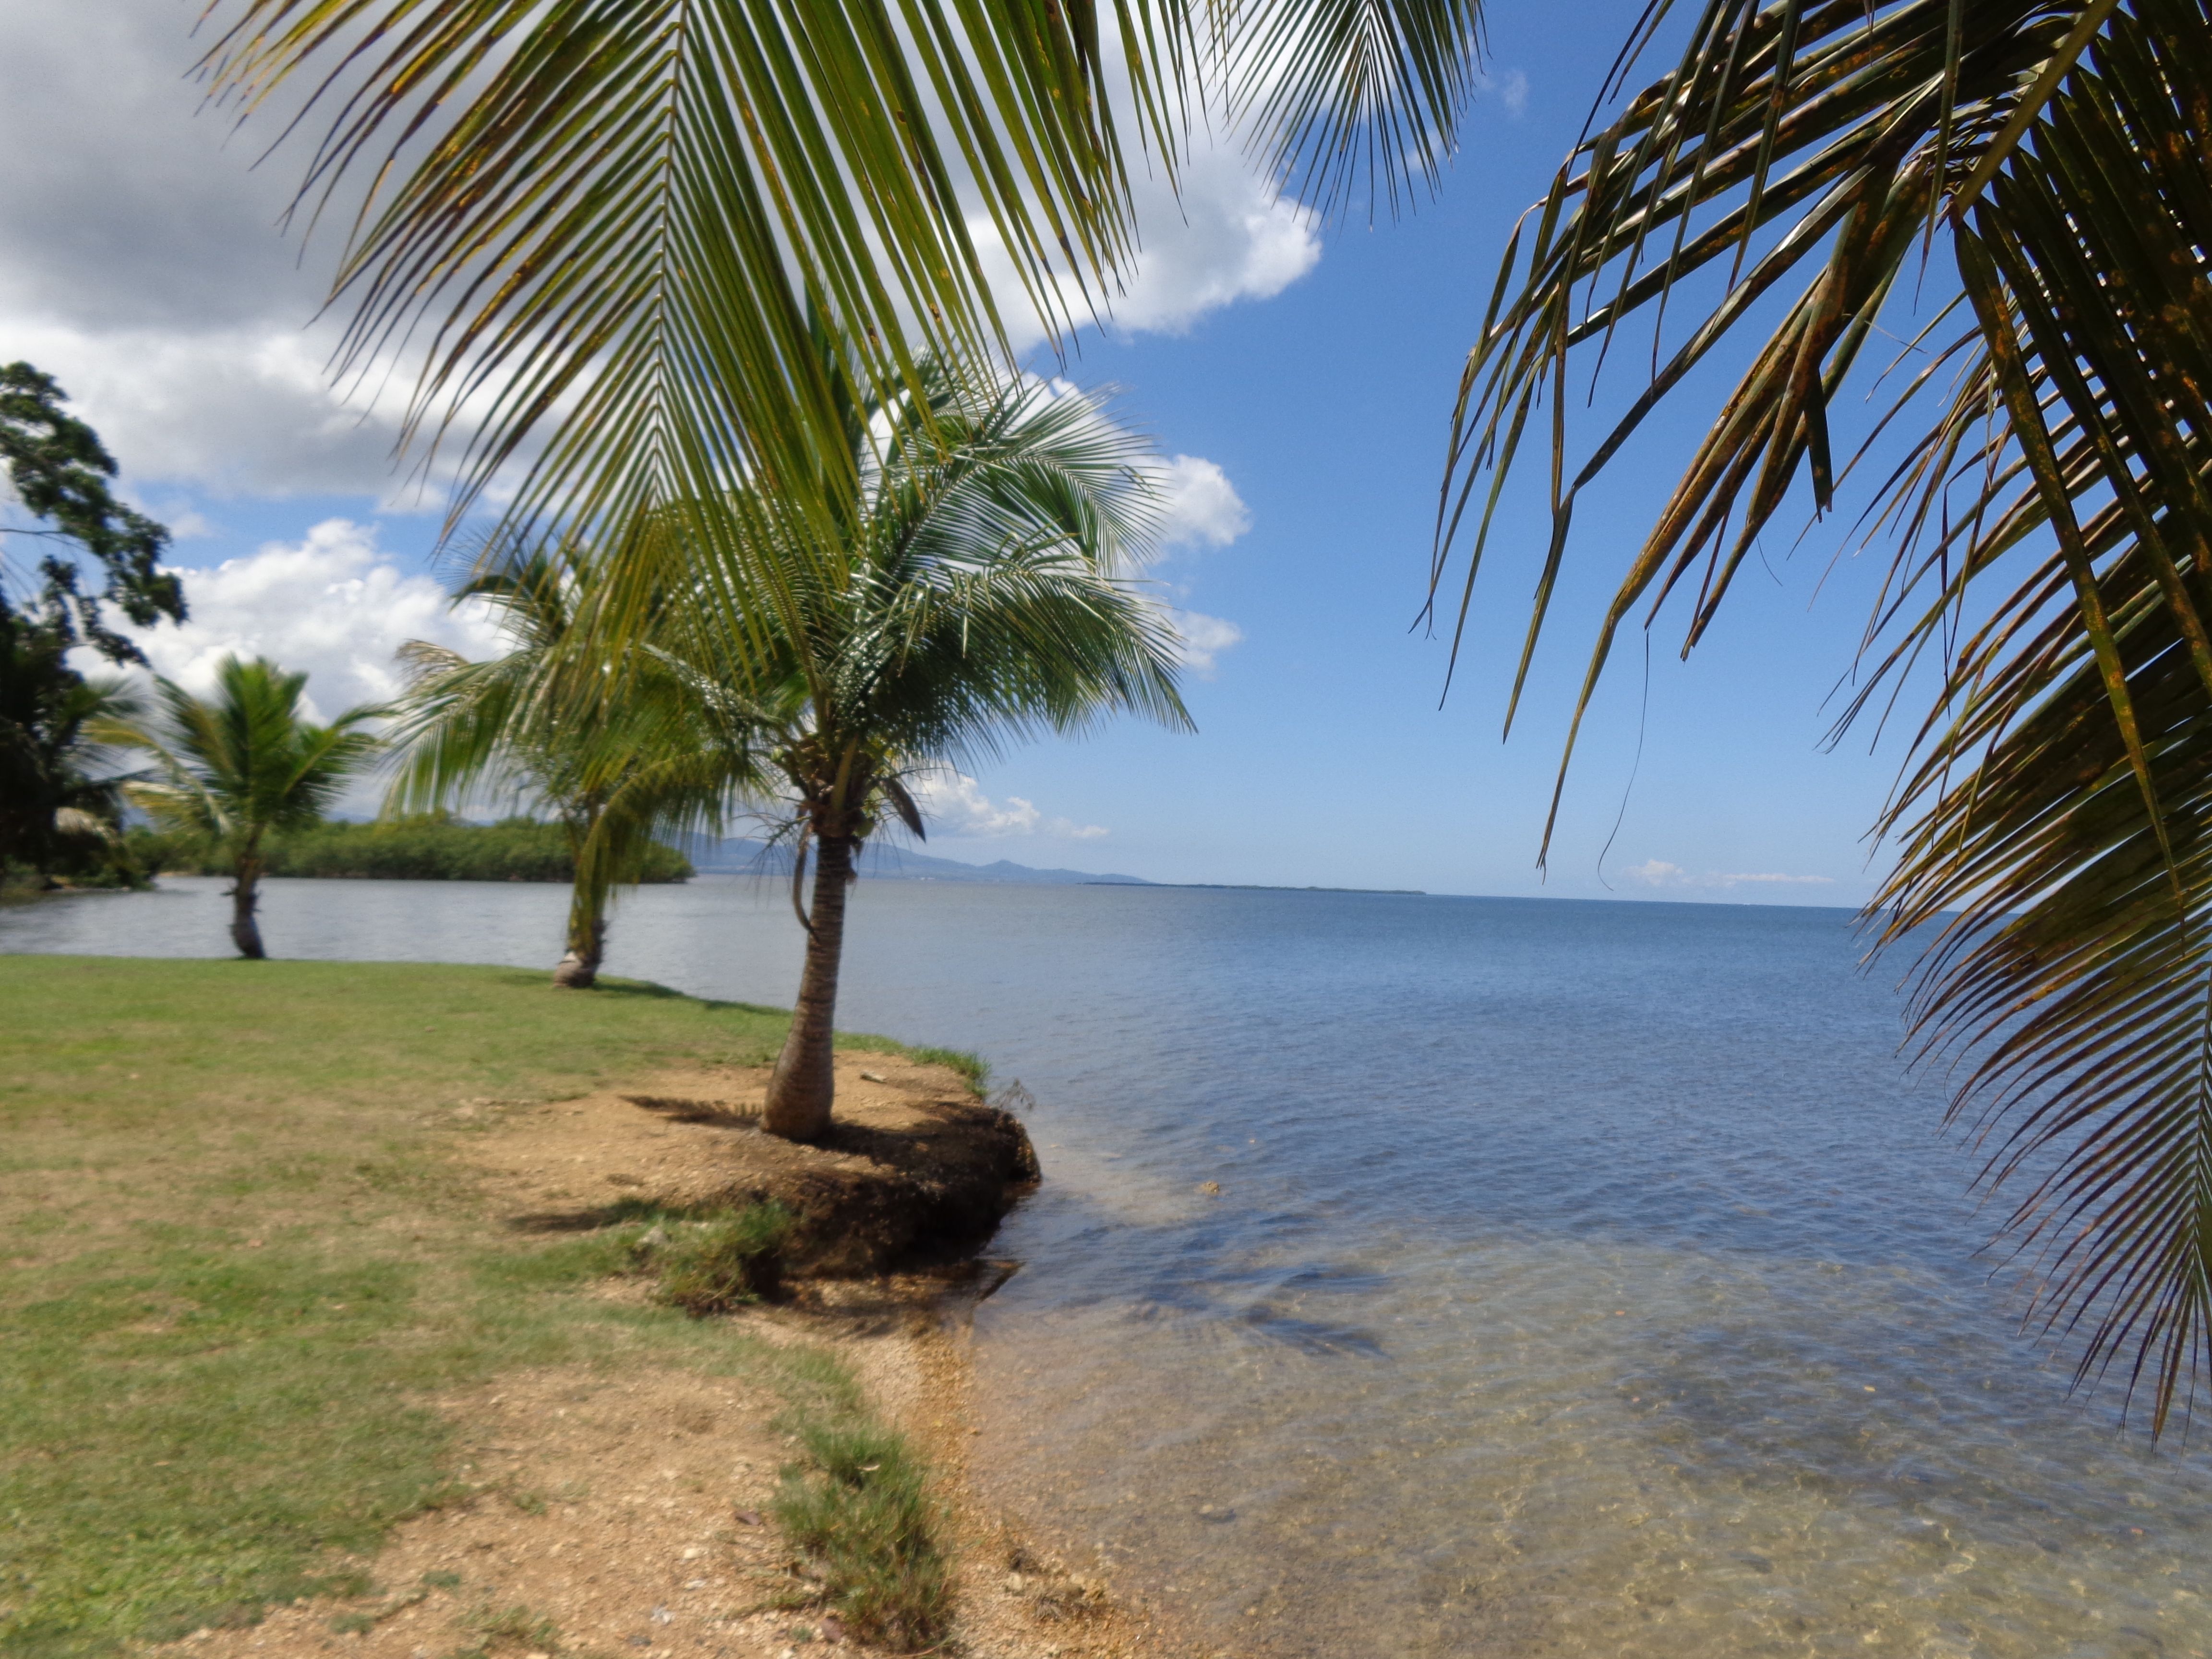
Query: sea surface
(1585,1278)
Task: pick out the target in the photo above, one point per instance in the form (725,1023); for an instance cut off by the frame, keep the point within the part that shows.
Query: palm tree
(970,597)
(2047,505)
(244,765)
(615,772)
(620,222)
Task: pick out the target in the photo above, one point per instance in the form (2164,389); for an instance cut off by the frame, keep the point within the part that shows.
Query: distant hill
(882,863)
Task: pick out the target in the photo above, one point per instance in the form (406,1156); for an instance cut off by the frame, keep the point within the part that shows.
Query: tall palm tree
(616,772)
(620,222)
(971,596)
(2043,173)
(240,766)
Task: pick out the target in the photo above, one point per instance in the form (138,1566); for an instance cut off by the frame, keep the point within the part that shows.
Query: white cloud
(1198,504)
(1657,873)
(1226,234)
(1510,89)
(953,805)
(329,603)
(142,264)
(1203,638)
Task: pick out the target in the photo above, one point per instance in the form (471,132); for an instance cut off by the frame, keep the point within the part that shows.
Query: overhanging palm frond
(2050,517)
(619,223)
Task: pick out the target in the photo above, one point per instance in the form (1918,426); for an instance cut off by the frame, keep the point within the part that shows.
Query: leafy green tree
(970,598)
(2043,483)
(232,769)
(616,772)
(59,473)
(60,809)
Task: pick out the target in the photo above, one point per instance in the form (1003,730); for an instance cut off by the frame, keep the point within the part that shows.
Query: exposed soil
(917,1171)
(626,1515)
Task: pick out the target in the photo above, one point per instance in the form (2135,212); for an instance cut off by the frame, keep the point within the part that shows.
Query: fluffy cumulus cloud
(329,603)
(1202,638)
(142,264)
(955,806)
(1657,873)
(1199,506)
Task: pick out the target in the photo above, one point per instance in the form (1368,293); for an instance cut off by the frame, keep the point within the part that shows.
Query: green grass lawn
(237,1258)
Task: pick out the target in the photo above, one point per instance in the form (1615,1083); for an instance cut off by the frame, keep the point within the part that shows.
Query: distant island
(1259,887)
(745,857)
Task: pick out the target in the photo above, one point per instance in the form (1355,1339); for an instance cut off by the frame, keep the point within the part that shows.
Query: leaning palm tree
(615,772)
(971,596)
(2041,171)
(619,223)
(241,766)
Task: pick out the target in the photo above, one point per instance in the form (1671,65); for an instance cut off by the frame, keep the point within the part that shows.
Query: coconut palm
(972,596)
(620,221)
(2043,174)
(615,772)
(235,769)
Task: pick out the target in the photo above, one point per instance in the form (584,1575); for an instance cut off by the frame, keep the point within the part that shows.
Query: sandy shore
(606,1514)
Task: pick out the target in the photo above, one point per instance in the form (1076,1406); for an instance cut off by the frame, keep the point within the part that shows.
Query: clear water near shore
(1586,1278)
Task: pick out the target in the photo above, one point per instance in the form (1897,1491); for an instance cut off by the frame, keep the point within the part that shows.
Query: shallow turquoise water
(1587,1279)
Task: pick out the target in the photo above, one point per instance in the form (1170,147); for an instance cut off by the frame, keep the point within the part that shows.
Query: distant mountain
(882,863)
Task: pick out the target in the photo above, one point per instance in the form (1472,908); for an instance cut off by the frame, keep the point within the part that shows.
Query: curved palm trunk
(245,897)
(804,1083)
(587,937)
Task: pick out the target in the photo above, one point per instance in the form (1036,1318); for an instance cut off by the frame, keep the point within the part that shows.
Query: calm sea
(1585,1278)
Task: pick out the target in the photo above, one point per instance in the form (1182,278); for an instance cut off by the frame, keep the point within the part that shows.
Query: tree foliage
(421,846)
(59,473)
(61,806)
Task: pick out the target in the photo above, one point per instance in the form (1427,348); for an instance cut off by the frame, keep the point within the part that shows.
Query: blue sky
(1322,755)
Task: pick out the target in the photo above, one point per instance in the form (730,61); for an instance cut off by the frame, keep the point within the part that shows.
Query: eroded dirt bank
(601,1512)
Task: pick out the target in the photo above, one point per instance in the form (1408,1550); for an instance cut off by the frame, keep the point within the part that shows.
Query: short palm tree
(615,772)
(235,769)
(972,596)
(2044,479)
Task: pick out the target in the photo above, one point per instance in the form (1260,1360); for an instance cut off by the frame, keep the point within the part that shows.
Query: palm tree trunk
(245,896)
(587,937)
(804,1084)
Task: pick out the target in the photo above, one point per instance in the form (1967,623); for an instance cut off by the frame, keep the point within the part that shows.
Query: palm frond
(2050,517)
(618,228)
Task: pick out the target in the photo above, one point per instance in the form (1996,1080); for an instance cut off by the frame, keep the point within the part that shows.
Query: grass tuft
(973,1066)
(712,1267)
(861,1508)
(501,1629)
